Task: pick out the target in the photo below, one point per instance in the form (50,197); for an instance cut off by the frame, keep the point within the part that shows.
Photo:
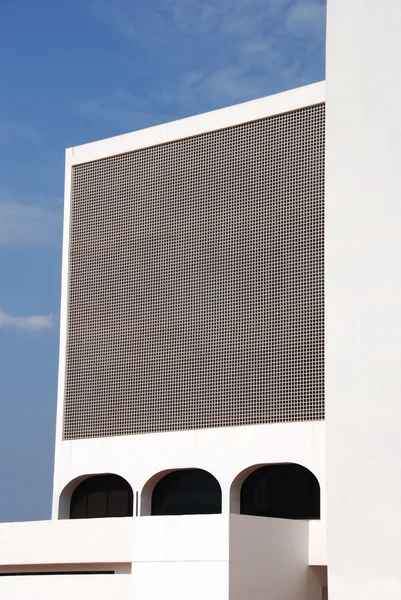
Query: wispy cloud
(23,224)
(30,323)
(121,108)
(213,52)
(133,21)
(307,18)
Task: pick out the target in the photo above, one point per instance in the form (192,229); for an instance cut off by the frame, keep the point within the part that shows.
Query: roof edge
(230,116)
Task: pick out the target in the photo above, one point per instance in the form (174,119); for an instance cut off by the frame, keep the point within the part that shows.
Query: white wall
(170,581)
(224,452)
(268,559)
(363,299)
(197,538)
(197,557)
(164,557)
(180,580)
(318,543)
(50,587)
(57,542)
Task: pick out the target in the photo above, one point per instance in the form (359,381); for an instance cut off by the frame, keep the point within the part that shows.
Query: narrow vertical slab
(269,559)
(363,298)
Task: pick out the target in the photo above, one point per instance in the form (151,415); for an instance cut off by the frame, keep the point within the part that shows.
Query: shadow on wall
(98,496)
(186,492)
(284,491)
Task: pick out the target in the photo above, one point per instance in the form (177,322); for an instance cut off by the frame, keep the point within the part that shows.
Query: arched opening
(186,492)
(102,496)
(285,491)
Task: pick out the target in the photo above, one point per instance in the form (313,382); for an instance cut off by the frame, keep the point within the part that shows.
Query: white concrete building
(191,433)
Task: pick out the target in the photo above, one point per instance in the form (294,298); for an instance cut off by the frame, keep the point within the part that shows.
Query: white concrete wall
(318,543)
(181,581)
(168,581)
(197,557)
(163,557)
(363,299)
(268,559)
(64,587)
(57,542)
(199,538)
(224,452)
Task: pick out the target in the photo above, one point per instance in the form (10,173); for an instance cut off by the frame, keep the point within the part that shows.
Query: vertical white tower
(363,299)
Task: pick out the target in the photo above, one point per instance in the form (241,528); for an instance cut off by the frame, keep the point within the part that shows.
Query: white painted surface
(363,299)
(77,541)
(268,559)
(149,539)
(168,554)
(180,581)
(318,543)
(197,557)
(152,581)
(184,538)
(74,587)
(224,452)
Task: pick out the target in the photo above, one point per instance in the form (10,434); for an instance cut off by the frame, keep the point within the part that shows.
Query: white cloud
(213,52)
(30,323)
(307,18)
(24,224)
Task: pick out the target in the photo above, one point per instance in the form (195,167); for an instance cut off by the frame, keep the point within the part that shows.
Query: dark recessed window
(187,492)
(102,496)
(286,491)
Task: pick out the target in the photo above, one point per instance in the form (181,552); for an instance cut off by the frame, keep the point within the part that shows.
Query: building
(227,278)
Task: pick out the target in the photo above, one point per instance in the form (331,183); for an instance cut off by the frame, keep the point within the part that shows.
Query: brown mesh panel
(196,282)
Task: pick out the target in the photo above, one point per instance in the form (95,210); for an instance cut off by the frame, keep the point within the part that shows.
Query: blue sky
(73,72)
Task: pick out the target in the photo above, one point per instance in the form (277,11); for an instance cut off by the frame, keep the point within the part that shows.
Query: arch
(186,492)
(145,504)
(279,490)
(99,496)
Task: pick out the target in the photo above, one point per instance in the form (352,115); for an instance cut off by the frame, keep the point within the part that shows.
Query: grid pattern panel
(196,282)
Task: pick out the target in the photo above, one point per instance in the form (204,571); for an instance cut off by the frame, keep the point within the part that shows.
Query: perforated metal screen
(196,282)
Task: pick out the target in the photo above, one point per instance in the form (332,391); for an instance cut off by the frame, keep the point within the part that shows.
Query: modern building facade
(215,274)
(191,400)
